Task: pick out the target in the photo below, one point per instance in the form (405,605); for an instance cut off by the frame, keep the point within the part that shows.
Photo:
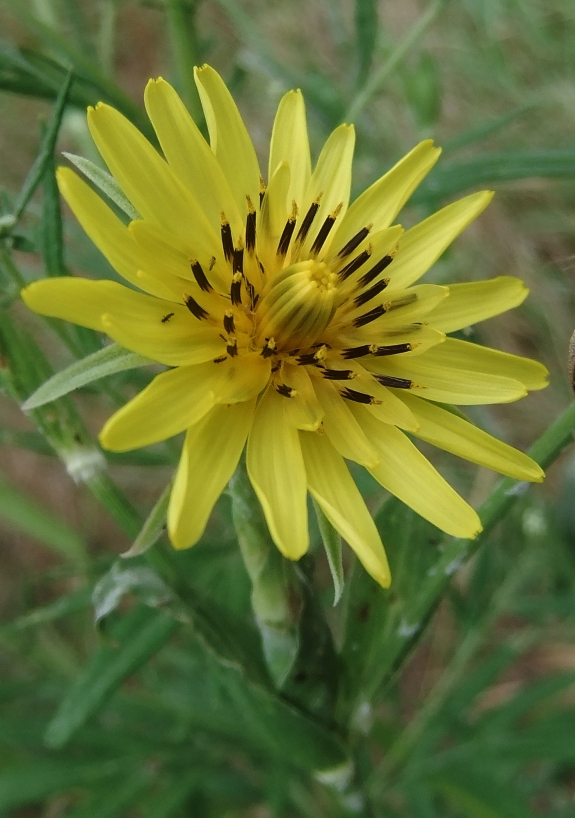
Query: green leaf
(114,800)
(45,156)
(171,800)
(332,544)
(137,636)
(121,580)
(52,228)
(61,607)
(489,169)
(154,526)
(366,27)
(33,781)
(108,361)
(105,182)
(29,516)
(478,795)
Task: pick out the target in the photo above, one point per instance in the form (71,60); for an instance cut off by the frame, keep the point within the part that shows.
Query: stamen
(375,271)
(232,347)
(229,324)
(250,227)
(325,230)
(269,348)
(338,374)
(371,293)
(285,390)
(358,397)
(354,265)
(287,233)
(262,189)
(355,241)
(220,359)
(193,306)
(200,276)
(389,380)
(227,240)
(167,317)
(370,316)
(308,221)
(251,292)
(311,358)
(236,289)
(238,263)
(392,349)
(357,352)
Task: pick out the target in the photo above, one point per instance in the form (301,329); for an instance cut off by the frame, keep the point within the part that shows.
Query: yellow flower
(291,320)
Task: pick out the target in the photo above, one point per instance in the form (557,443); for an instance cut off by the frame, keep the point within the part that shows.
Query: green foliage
(141,687)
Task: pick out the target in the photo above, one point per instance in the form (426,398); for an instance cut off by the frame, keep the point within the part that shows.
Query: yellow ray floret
(292,322)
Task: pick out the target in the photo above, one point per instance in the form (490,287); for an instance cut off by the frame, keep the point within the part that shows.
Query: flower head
(291,321)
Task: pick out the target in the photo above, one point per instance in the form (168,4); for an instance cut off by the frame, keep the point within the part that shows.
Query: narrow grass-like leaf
(171,801)
(61,607)
(138,636)
(366,25)
(114,801)
(477,795)
(32,781)
(122,579)
(332,544)
(482,131)
(108,361)
(29,516)
(154,526)
(488,169)
(105,182)
(46,153)
(52,239)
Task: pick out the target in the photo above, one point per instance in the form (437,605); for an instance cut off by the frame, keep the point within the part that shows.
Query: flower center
(298,305)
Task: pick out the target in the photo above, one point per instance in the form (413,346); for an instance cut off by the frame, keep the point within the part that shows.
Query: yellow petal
(104,228)
(174,401)
(341,427)
(189,155)
(229,138)
(331,180)
(480,359)
(331,485)
(405,472)
(381,202)
(174,342)
(289,143)
(458,436)
(148,181)
(210,455)
(421,246)
(477,300)
(274,213)
(276,471)
(404,307)
(302,411)
(242,378)
(448,384)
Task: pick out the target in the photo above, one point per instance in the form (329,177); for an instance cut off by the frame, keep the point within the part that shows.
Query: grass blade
(105,182)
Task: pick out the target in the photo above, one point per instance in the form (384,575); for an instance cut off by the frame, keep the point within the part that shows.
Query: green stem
(181,16)
(373,85)
(265,566)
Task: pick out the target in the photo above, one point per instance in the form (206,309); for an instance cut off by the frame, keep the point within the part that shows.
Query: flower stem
(181,16)
(270,588)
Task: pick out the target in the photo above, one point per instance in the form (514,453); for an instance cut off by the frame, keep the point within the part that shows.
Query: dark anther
(232,347)
(358,397)
(307,221)
(253,296)
(193,306)
(167,317)
(389,380)
(220,359)
(354,242)
(262,189)
(392,349)
(269,348)
(251,231)
(368,317)
(367,295)
(354,265)
(236,289)
(311,357)
(200,276)
(338,374)
(285,390)
(227,240)
(357,352)
(229,323)
(285,238)
(375,271)
(238,264)
(325,230)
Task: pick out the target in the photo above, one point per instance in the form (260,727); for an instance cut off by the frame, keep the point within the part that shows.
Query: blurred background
(490,687)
